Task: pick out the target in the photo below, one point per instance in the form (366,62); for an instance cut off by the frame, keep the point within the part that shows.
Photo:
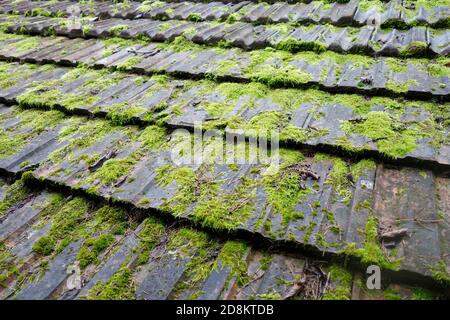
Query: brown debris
(305,172)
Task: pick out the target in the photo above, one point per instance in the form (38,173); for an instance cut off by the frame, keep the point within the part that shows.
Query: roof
(94,204)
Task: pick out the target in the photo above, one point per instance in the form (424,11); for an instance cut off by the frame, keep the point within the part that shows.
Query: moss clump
(386,131)
(185,178)
(232,256)
(414,49)
(113,169)
(8,265)
(153,137)
(15,193)
(195,17)
(92,248)
(128,64)
(225,211)
(422,294)
(398,87)
(284,189)
(65,226)
(119,287)
(371,252)
(150,235)
(201,249)
(124,113)
(32,123)
(440,273)
(293,45)
(44,246)
(117,29)
(339,179)
(341,286)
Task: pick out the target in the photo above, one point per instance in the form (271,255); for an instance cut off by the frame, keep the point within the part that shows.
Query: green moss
(225,211)
(293,45)
(338,178)
(38,12)
(15,193)
(8,265)
(150,235)
(64,226)
(440,273)
(124,113)
(113,169)
(44,246)
(391,294)
(128,64)
(273,74)
(117,29)
(387,132)
(341,284)
(415,49)
(92,248)
(232,256)
(119,287)
(185,180)
(272,295)
(398,87)
(195,17)
(422,294)
(371,252)
(27,44)
(201,249)
(284,190)
(153,137)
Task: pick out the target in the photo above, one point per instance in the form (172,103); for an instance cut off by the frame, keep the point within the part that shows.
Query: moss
(440,273)
(387,131)
(92,248)
(34,122)
(338,178)
(150,235)
(14,194)
(232,256)
(113,169)
(195,17)
(341,284)
(117,29)
(8,266)
(421,294)
(119,287)
(284,190)
(398,87)
(391,294)
(371,252)
(185,180)
(128,64)
(275,75)
(64,226)
(153,137)
(414,49)
(202,252)
(38,12)
(124,113)
(272,295)
(44,246)
(225,211)
(293,45)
